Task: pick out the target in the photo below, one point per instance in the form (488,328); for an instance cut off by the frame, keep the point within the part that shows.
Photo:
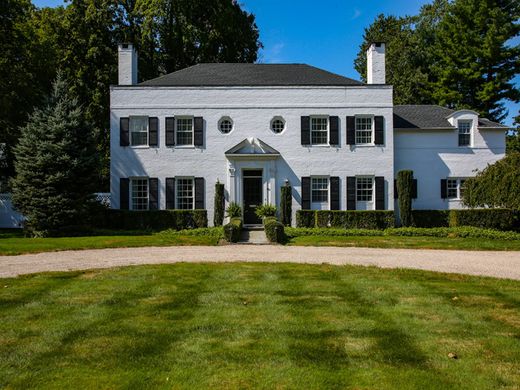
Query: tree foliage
(496,186)
(457,54)
(81,40)
(286,205)
(55,165)
(404,189)
(218,213)
(513,138)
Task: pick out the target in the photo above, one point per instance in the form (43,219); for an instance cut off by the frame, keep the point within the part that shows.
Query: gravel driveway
(496,264)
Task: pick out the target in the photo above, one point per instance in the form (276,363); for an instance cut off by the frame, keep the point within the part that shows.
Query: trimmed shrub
(286,205)
(500,219)
(404,189)
(431,218)
(274,230)
(154,219)
(233,229)
(218,215)
(305,218)
(370,219)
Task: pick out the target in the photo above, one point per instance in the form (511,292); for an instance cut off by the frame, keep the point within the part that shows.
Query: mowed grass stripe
(258,326)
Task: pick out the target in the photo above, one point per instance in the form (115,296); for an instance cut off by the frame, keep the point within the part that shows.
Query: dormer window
(464,127)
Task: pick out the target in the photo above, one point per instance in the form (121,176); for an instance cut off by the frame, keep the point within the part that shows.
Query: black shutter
(379,135)
(444,184)
(396,195)
(351,130)
(153,128)
(351,192)
(334,130)
(380,192)
(124,193)
(414,189)
(334,193)
(199,193)
(170,131)
(306,193)
(170,193)
(153,193)
(198,131)
(306,130)
(124,131)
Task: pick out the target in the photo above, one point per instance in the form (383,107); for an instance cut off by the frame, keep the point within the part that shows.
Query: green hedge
(500,219)
(305,218)
(274,230)
(379,219)
(444,232)
(431,218)
(153,220)
(233,229)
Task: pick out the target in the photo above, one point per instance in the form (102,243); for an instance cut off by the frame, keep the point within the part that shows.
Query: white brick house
(254,127)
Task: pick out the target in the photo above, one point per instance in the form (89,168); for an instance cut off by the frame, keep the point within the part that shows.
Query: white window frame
(222,120)
(359,179)
(275,119)
(459,182)
(325,179)
(469,132)
(133,181)
(177,188)
(356,130)
(131,119)
(184,117)
(327,121)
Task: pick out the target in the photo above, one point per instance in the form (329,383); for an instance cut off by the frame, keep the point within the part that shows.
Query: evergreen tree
(496,186)
(404,189)
(513,138)
(55,165)
(474,64)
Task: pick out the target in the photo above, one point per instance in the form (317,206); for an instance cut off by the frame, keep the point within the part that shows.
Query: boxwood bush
(380,219)
(233,229)
(431,218)
(501,219)
(153,219)
(274,230)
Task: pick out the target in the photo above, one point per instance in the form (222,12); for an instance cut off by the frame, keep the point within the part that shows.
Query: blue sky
(326,34)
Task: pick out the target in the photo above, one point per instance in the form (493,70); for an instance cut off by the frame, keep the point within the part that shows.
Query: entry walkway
(496,264)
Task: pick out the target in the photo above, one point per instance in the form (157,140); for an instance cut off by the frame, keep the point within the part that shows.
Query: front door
(252,195)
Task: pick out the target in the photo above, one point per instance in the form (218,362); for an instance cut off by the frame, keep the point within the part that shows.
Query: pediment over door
(252,148)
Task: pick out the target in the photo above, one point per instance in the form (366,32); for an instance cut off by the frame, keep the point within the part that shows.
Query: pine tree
(56,164)
(474,62)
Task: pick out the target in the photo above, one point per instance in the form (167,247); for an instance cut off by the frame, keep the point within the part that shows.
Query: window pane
(226,126)
(138,130)
(277,126)
(464,132)
(319,130)
(320,189)
(139,194)
(364,189)
(184,131)
(185,194)
(363,130)
(451,190)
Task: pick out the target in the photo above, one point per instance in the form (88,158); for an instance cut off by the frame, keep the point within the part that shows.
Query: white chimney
(376,63)
(127,64)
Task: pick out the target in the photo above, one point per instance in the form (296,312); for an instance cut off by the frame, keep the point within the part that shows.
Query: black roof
(430,117)
(240,74)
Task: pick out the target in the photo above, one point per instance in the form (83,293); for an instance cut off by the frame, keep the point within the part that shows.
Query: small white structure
(254,127)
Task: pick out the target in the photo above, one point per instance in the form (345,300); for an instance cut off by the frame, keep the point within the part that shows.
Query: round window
(225,125)
(277,125)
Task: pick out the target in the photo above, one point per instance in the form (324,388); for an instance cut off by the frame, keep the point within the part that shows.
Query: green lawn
(224,326)
(13,243)
(408,242)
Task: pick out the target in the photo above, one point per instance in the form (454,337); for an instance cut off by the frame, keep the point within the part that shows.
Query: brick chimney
(127,64)
(376,63)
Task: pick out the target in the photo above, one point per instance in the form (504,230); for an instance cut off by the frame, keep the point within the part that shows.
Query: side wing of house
(443,147)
